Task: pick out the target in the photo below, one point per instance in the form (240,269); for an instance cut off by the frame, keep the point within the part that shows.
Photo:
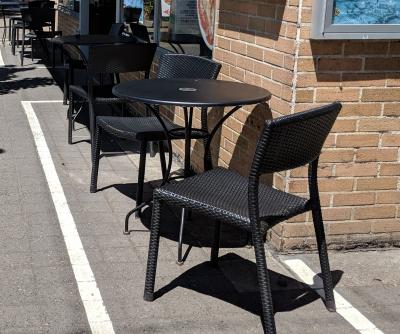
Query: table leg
(53,55)
(207,153)
(188,135)
(167,172)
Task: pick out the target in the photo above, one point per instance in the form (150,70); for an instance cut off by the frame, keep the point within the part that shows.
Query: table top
(191,93)
(92,39)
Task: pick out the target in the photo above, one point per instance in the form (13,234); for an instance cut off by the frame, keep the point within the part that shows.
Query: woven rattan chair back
(121,58)
(186,66)
(292,141)
(140,31)
(41,4)
(116,29)
(37,18)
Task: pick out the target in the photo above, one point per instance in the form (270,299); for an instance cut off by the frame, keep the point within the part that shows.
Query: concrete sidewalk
(38,286)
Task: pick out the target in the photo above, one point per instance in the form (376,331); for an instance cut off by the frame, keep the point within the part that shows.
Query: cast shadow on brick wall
(242,154)
(262,18)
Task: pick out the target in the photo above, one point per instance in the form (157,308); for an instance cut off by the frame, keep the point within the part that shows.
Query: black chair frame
(112,60)
(285,143)
(170,66)
(72,63)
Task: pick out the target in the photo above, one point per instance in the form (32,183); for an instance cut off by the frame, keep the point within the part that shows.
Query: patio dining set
(189,83)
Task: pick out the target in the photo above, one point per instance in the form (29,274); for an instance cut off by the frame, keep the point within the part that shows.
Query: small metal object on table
(188,94)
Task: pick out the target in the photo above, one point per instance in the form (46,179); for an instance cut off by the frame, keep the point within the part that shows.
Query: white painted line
(96,312)
(44,101)
(1,60)
(343,307)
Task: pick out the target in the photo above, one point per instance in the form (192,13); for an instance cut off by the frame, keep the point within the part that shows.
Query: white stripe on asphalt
(96,312)
(343,307)
(1,60)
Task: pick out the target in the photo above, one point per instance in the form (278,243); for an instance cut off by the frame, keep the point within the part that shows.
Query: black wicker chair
(285,143)
(140,31)
(73,63)
(149,129)
(108,59)
(35,19)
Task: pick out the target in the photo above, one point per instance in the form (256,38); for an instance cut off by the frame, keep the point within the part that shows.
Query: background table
(79,40)
(88,40)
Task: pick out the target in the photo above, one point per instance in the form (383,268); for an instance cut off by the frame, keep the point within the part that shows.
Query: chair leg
(70,116)
(162,158)
(180,260)
(216,242)
(142,165)
(323,257)
(66,85)
(263,282)
(153,252)
(13,33)
(31,49)
(10,22)
(22,54)
(95,160)
(92,121)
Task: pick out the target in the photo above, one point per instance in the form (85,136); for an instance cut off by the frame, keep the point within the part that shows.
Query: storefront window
(366,12)
(182,26)
(356,19)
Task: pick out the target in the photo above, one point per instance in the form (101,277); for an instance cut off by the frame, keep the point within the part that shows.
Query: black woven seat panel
(222,194)
(103,94)
(141,128)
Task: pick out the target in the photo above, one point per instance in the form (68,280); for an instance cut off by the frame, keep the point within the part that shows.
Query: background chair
(149,129)
(140,31)
(132,14)
(74,62)
(16,23)
(36,19)
(108,59)
(285,143)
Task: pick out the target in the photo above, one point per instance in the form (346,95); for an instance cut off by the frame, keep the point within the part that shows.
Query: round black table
(190,93)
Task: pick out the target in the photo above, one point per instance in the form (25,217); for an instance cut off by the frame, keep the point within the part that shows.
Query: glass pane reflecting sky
(366,12)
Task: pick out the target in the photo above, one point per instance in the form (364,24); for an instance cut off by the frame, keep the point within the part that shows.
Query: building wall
(267,43)
(67,23)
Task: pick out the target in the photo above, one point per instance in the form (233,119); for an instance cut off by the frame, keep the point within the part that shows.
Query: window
(356,19)
(182,26)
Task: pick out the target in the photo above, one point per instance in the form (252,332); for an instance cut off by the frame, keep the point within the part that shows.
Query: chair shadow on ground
(10,84)
(234,281)
(198,231)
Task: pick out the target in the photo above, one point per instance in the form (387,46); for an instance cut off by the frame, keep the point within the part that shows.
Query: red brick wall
(260,42)
(67,23)
(266,43)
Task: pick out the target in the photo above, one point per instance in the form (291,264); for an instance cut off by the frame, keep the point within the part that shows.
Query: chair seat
(103,93)
(222,194)
(134,128)
(141,128)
